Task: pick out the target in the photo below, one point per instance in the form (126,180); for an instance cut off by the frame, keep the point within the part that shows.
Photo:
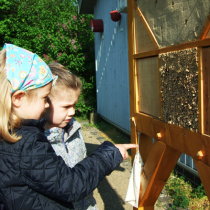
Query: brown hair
(65,79)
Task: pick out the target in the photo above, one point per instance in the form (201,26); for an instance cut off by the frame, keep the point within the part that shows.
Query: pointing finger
(130,146)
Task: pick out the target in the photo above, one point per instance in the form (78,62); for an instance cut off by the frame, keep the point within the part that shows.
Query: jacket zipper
(67,150)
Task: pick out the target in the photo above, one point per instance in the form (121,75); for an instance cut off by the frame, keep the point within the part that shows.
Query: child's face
(33,108)
(62,108)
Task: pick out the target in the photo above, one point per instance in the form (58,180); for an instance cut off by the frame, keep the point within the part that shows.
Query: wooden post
(131,73)
(160,163)
(145,146)
(204,172)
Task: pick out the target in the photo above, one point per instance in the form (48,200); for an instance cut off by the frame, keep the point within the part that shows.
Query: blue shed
(111,63)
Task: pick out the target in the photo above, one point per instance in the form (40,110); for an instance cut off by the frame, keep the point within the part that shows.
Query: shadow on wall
(99,55)
(111,199)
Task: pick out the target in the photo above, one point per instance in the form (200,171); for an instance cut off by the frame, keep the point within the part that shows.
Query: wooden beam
(160,176)
(200,90)
(199,43)
(130,18)
(136,88)
(179,138)
(160,97)
(205,29)
(160,163)
(145,124)
(145,146)
(206,90)
(206,151)
(146,25)
(203,171)
(150,166)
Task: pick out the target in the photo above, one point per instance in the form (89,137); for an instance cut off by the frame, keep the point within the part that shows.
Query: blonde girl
(32,176)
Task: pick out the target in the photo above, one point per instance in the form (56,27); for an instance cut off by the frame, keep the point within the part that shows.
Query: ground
(110,195)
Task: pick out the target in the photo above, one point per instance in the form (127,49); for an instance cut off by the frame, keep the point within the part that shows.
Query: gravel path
(110,194)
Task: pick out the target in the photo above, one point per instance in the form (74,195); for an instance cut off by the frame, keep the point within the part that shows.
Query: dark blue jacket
(33,177)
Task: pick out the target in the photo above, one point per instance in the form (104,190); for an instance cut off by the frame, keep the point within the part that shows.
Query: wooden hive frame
(161,157)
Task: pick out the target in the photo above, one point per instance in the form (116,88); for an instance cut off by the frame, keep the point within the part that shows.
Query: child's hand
(123,149)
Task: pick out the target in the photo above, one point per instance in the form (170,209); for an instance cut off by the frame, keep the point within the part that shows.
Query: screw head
(159,135)
(200,154)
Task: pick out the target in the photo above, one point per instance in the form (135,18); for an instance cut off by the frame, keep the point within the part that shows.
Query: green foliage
(199,192)
(84,107)
(184,194)
(54,30)
(180,190)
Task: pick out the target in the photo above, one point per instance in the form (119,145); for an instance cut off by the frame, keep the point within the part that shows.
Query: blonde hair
(65,79)
(8,120)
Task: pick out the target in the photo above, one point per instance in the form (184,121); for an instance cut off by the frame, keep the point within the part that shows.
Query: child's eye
(69,106)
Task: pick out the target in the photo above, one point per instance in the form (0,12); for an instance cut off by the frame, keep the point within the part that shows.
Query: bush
(185,195)
(55,32)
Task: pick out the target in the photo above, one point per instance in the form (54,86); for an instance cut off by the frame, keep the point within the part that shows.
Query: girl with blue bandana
(23,74)
(32,176)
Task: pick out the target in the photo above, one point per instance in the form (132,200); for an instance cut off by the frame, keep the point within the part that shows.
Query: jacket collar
(35,123)
(55,134)
(72,127)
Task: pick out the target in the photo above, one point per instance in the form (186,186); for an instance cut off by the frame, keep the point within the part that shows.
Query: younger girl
(32,176)
(62,130)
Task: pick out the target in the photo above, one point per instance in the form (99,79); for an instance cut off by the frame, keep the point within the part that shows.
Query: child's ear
(17,98)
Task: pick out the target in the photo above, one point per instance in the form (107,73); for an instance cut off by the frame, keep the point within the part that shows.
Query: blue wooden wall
(112,73)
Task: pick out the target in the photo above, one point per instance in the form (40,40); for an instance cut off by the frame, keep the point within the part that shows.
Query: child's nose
(71,112)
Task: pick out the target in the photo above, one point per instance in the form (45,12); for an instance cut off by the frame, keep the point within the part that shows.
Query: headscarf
(25,70)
